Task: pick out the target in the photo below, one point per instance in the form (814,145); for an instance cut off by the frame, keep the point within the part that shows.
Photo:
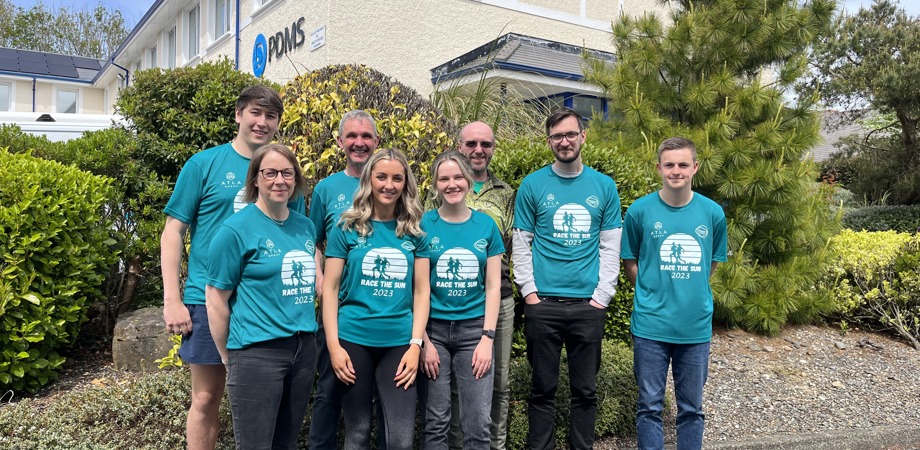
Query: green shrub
(17,141)
(55,248)
(617,396)
(315,102)
(149,412)
(876,281)
(901,218)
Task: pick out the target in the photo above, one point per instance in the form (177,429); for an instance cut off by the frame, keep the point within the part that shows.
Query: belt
(554,298)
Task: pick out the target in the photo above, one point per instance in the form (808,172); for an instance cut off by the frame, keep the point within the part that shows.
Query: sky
(133,10)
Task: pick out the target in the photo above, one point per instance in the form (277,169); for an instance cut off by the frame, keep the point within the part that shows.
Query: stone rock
(840,345)
(768,349)
(140,337)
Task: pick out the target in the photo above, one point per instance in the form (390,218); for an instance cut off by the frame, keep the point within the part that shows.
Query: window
(171,49)
(67,101)
(138,66)
(153,56)
(587,107)
(193,36)
(221,18)
(5,100)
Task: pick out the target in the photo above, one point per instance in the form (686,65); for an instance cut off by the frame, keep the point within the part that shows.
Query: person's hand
(482,357)
(341,365)
(407,369)
(597,305)
(532,299)
(431,361)
(177,318)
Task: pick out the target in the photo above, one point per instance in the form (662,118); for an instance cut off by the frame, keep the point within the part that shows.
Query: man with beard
(566,241)
(331,197)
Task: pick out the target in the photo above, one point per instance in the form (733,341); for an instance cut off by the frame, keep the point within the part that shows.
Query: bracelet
(419,342)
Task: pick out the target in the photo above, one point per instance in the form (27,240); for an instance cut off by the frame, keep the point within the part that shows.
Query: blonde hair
(408,211)
(457,158)
(251,192)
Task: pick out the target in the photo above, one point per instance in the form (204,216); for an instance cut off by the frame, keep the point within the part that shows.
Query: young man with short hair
(672,241)
(208,191)
(566,261)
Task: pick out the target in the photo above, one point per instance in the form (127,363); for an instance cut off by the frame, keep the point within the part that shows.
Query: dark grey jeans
(269,385)
(455,342)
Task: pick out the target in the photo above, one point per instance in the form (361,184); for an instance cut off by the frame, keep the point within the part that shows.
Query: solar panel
(62,71)
(9,64)
(31,56)
(8,53)
(38,68)
(86,63)
(60,60)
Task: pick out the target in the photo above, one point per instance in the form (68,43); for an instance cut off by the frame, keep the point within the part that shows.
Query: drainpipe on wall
(236,59)
(127,73)
(34,81)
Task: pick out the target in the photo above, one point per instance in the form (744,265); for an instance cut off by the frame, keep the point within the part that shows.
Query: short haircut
(450,155)
(357,114)
(262,96)
(252,190)
(677,143)
(561,114)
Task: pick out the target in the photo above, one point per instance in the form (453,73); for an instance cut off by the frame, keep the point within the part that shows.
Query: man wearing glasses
(209,189)
(566,241)
(494,197)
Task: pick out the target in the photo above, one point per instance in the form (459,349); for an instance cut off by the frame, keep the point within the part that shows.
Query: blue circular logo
(259,55)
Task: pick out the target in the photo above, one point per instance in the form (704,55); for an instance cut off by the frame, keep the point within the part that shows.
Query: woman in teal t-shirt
(377,268)
(260,295)
(465,250)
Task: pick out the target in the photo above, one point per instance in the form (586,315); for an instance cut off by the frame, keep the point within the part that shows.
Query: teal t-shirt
(566,216)
(674,248)
(209,190)
(376,292)
(331,197)
(272,271)
(458,253)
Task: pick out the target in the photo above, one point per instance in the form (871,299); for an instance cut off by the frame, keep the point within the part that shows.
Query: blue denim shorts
(198,346)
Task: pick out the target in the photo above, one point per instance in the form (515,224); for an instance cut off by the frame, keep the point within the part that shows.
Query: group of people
(416,306)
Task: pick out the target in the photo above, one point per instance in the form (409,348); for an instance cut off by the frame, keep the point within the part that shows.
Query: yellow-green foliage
(865,255)
(315,102)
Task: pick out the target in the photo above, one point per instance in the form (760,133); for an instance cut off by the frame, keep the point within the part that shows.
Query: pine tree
(717,74)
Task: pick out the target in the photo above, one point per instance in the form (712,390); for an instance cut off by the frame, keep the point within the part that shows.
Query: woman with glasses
(377,269)
(466,250)
(260,293)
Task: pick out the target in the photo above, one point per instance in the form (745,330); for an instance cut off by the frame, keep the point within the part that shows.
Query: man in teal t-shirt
(672,241)
(208,191)
(331,197)
(566,261)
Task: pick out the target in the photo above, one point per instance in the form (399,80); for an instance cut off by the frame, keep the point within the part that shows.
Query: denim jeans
(269,384)
(455,342)
(690,367)
(579,326)
(376,367)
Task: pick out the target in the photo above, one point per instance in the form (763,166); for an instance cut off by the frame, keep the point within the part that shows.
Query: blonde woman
(377,268)
(466,250)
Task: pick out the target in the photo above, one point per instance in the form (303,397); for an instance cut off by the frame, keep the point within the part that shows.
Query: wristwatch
(489,334)
(419,342)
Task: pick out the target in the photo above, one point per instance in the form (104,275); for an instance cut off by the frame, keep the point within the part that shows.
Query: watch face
(489,333)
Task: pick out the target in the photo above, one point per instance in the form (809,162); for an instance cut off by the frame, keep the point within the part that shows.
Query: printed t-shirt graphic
(458,256)
(271,270)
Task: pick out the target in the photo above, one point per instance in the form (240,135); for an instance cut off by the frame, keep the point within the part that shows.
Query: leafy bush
(315,102)
(617,396)
(901,218)
(55,248)
(149,412)
(876,281)
(17,141)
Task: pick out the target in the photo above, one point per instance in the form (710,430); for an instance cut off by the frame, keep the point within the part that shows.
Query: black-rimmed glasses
(557,138)
(271,174)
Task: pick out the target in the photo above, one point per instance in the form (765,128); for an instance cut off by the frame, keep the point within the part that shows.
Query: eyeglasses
(271,174)
(557,138)
(483,144)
